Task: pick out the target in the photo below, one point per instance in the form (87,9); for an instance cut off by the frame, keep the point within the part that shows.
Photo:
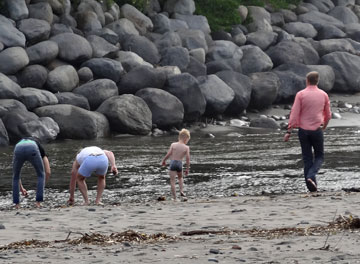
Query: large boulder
(195,22)
(323,6)
(196,68)
(242,87)
(161,23)
(9,105)
(62,79)
(92,6)
(75,122)
(97,91)
(100,46)
(73,99)
(123,28)
(167,110)
(311,56)
(264,122)
(4,138)
(35,30)
(261,19)
(105,68)
(185,7)
(262,39)
(107,34)
(130,60)
(265,89)
(88,21)
(318,20)
(193,39)
(167,40)
(13,60)
(141,77)
(41,11)
(344,14)
(141,22)
(127,113)
(300,29)
(186,88)
(17,9)
(223,49)
(20,124)
(353,31)
(8,88)
(327,46)
(330,32)
(255,60)
(10,36)
(346,67)
(56,5)
(143,47)
(327,76)
(217,93)
(222,65)
(73,48)
(43,52)
(175,56)
(286,51)
(33,98)
(33,76)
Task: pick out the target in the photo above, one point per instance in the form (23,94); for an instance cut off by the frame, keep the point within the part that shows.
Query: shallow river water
(232,163)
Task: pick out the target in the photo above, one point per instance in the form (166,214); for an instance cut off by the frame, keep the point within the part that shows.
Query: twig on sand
(326,247)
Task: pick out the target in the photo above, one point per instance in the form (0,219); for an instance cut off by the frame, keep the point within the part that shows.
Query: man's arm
(187,161)
(47,168)
(111,158)
(294,116)
(327,112)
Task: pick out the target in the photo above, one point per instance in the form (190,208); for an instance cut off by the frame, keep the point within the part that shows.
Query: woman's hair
(313,78)
(184,133)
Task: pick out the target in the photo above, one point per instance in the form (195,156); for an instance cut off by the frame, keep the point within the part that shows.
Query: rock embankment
(90,70)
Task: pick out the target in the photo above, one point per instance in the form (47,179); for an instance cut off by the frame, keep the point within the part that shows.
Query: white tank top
(85,152)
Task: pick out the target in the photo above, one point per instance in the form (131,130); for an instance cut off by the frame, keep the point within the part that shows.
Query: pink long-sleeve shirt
(311,109)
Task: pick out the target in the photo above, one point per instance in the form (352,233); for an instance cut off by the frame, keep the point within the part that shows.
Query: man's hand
(287,137)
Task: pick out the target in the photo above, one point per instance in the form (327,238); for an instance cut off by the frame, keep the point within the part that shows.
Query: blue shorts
(176,165)
(98,164)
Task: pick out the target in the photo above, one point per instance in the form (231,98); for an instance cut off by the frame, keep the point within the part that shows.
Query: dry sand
(297,212)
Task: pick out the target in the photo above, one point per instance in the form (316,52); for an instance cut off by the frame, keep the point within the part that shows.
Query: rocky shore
(91,70)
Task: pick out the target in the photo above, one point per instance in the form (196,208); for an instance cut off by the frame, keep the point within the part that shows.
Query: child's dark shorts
(176,165)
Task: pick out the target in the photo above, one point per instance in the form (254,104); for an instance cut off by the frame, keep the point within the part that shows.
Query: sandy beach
(247,229)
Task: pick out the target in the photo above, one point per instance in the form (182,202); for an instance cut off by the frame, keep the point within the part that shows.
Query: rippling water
(231,163)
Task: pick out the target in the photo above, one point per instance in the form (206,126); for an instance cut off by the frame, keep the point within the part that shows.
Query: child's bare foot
(182,194)
(38,205)
(86,203)
(99,203)
(17,206)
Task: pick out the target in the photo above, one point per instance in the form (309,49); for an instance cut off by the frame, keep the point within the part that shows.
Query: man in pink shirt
(311,114)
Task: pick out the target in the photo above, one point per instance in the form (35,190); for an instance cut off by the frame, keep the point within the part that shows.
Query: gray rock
(311,55)
(177,24)
(223,49)
(107,34)
(198,54)
(167,40)
(13,60)
(277,19)
(239,39)
(217,93)
(33,98)
(243,12)
(344,14)
(344,2)
(97,91)
(323,6)
(302,10)
(8,88)
(17,9)
(41,11)
(141,77)
(10,105)
(152,7)
(43,52)
(193,39)
(92,6)
(327,76)
(262,39)
(88,21)
(327,46)
(130,60)
(22,123)
(35,30)
(58,28)
(123,28)
(62,79)
(115,11)
(127,114)
(286,51)
(300,29)
(105,68)
(143,47)
(261,19)
(196,68)
(175,56)
(255,60)
(346,67)
(263,122)
(73,48)
(56,6)
(183,85)
(195,22)
(353,31)
(318,20)
(289,16)
(33,76)
(221,35)
(161,23)
(75,122)
(100,46)
(85,74)
(242,87)
(4,141)
(73,99)
(1,47)
(222,65)
(141,22)
(265,89)
(10,36)
(167,110)
(185,7)
(330,32)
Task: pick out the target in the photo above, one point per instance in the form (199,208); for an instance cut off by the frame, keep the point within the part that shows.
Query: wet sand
(237,214)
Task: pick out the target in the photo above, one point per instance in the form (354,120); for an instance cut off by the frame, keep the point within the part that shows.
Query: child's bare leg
(100,188)
(172,183)
(181,183)
(83,188)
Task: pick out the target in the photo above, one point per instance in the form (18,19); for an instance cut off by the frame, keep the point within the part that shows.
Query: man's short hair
(184,133)
(313,78)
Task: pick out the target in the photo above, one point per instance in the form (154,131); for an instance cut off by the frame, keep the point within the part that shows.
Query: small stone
(253,249)
(336,116)
(304,222)
(236,247)
(2,226)
(213,260)
(91,209)
(127,244)
(209,135)
(214,251)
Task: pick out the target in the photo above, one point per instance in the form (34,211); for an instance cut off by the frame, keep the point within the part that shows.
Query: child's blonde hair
(184,133)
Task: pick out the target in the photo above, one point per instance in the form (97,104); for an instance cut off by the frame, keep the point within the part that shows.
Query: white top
(85,152)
